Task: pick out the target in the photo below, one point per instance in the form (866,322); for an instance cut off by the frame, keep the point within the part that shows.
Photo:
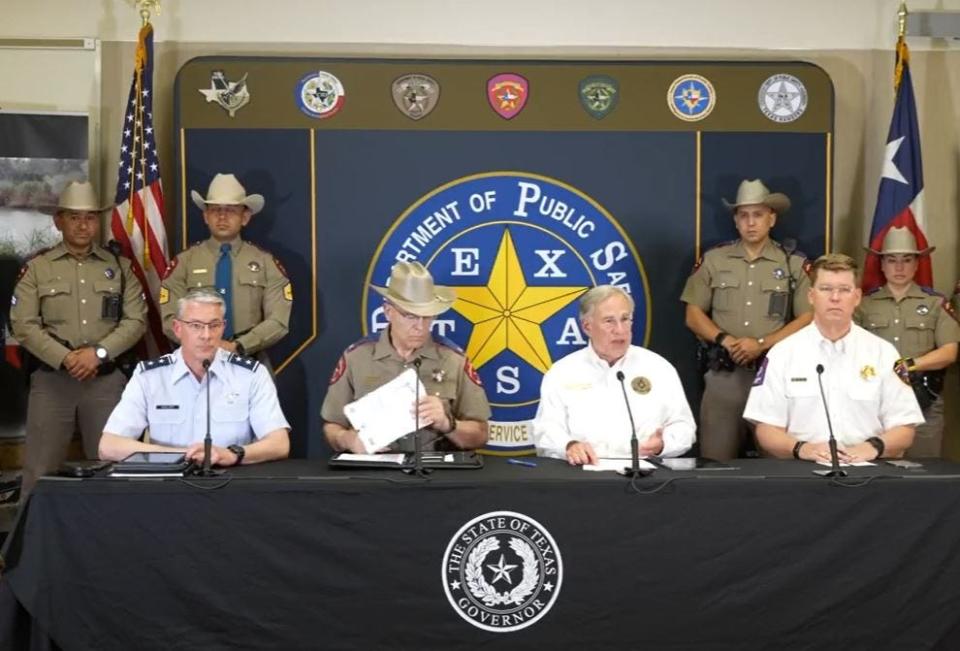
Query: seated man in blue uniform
(168,395)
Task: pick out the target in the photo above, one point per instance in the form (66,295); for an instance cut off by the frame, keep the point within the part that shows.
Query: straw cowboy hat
(411,289)
(755,192)
(900,240)
(78,196)
(226,190)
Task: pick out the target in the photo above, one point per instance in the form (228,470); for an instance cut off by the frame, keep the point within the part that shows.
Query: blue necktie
(225,286)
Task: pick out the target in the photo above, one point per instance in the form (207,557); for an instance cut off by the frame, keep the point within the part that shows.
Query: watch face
(101,352)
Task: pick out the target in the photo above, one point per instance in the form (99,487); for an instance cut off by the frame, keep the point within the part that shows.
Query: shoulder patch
(471,372)
(248,363)
(369,339)
(160,362)
(761,372)
(448,343)
(338,370)
(170,267)
(807,266)
(280,267)
(949,309)
(696,265)
(930,291)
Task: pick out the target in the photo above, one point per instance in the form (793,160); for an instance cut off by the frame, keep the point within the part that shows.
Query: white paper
(617,464)
(386,414)
(372,458)
(844,464)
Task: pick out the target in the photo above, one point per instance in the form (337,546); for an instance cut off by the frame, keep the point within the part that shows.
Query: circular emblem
(253,266)
(641,385)
(923,310)
(519,250)
(782,98)
(779,273)
(109,273)
(691,97)
(502,571)
(320,94)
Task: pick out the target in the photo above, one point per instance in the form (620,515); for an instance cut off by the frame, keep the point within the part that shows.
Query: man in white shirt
(873,411)
(582,414)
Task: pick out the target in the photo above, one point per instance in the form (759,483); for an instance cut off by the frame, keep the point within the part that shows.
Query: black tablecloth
(293,555)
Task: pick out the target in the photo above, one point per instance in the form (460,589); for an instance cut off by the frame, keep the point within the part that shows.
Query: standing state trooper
(76,309)
(920,324)
(741,300)
(254,285)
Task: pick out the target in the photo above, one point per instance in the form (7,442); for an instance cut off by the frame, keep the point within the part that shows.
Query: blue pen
(520,462)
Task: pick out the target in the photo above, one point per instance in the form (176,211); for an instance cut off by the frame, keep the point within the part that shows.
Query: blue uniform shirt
(164,395)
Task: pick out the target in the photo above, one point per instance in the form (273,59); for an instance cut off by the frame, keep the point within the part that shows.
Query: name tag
(798,379)
(198,271)
(167,407)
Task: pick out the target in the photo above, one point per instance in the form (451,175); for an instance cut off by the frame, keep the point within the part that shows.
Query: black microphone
(417,468)
(634,469)
(835,470)
(205,470)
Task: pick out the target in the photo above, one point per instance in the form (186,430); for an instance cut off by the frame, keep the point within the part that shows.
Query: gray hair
(201,295)
(599,294)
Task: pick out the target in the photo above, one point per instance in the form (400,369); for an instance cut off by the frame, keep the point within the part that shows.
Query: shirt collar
(213,244)
(384,349)
(838,347)
(770,251)
(180,369)
(595,360)
(60,250)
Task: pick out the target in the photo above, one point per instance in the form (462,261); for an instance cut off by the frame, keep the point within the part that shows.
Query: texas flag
(900,198)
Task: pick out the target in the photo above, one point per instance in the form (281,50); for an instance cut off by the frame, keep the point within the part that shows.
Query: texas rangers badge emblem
(415,95)
(599,95)
(230,95)
(507,94)
(782,98)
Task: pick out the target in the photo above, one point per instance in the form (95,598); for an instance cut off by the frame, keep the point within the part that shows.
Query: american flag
(900,197)
(137,220)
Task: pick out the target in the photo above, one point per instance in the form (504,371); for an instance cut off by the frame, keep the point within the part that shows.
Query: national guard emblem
(782,98)
(320,95)
(253,265)
(868,372)
(415,95)
(691,97)
(599,95)
(502,571)
(230,95)
(779,273)
(923,310)
(109,273)
(507,94)
(641,385)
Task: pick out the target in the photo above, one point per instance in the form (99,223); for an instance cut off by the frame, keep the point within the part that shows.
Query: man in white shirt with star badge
(582,415)
(872,410)
(169,395)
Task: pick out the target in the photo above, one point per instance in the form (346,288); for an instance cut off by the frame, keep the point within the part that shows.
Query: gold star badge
(867,372)
(640,384)
(506,313)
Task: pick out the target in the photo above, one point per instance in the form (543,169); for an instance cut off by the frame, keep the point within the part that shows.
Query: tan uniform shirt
(262,293)
(372,362)
(61,296)
(916,324)
(736,293)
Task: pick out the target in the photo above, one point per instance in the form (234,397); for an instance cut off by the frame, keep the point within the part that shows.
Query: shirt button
(749,283)
(53,291)
(84,322)
(752,266)
(82,280)
(896,338)
(749,303)
(83,300)
(896,320)
(723,284)
(746,323)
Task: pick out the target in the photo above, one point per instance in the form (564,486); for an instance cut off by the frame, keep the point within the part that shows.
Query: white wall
(501,24)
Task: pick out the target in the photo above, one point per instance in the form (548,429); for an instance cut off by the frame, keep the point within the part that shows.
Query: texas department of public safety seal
(502,571)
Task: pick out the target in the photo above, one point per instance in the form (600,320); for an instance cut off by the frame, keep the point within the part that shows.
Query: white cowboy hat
(226,190)
(900,240)
(411,289)
(77,196)
(755,192)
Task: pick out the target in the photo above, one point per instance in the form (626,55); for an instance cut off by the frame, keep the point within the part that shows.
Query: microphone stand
(417,470)
(835,469)
(206,470)
(634,470)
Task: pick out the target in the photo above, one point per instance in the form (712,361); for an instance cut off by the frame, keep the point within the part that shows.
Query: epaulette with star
(369,339)
(248,363)
(152,364)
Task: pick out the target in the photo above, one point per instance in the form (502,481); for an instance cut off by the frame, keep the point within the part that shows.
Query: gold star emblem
(506,313)
(867,372)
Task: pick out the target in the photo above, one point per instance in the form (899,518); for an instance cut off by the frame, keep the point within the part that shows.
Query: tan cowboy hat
(755,192)
(411,289)
(226,190)
(77,196)
(900,240)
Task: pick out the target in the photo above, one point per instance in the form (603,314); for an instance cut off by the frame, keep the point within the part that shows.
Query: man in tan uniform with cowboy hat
(76,309)
(454,410)
(920,324)
(254,285)
(742,298)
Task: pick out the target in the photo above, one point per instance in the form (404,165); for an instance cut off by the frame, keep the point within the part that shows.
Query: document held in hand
(386,414)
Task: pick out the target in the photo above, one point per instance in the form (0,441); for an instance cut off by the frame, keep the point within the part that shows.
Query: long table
(294,555)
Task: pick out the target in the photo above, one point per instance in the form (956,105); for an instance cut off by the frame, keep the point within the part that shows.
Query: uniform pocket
(56,302)
(725,287)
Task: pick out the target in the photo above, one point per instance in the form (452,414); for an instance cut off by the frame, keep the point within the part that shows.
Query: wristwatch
(878,444)
(101,353)
(718,340)
(238,450)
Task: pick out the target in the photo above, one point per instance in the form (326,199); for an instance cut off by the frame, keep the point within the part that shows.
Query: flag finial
(145,7)
(902,20)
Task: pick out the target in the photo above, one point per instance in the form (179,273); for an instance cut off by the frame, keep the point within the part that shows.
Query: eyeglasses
(197,327)
(830,290)
(410,318)
(611,322)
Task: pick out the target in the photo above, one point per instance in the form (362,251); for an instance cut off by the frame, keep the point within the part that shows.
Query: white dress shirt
(165,395)
(581,400)
(864,395)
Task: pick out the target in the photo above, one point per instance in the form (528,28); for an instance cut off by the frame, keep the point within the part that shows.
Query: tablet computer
(152,462)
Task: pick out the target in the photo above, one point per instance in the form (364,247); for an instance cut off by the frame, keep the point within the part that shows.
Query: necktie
(224,281)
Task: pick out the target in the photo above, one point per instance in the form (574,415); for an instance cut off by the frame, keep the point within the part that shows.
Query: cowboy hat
(411,289)
(77,196)
(900,240)
(755,192)
(226,190)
